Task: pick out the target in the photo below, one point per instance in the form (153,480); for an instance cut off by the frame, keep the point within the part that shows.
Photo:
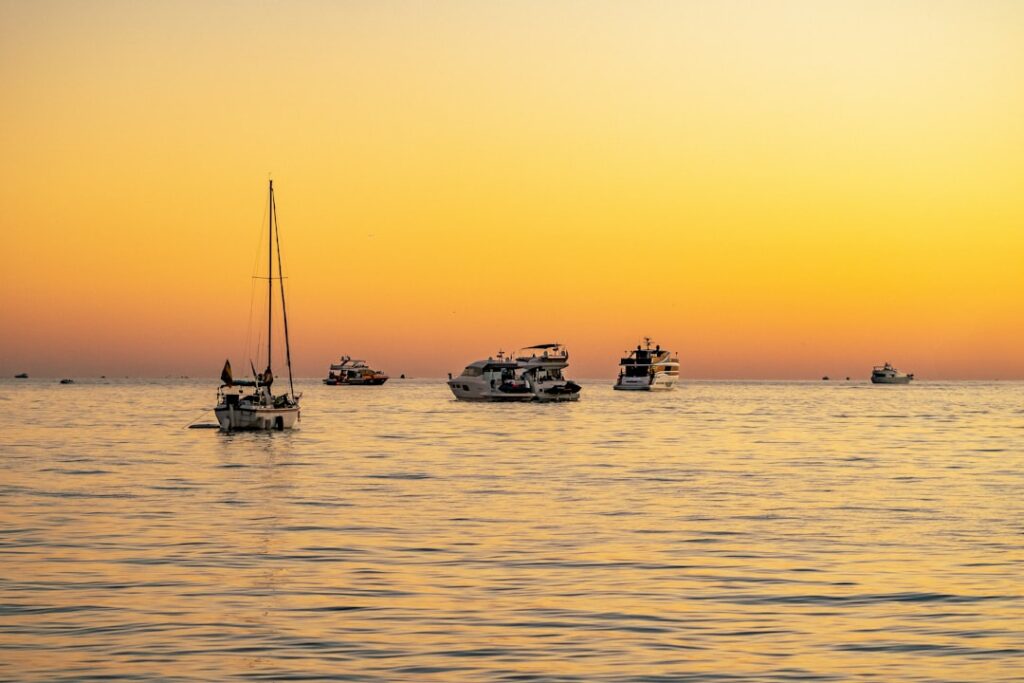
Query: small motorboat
(21,375)
(354,372)
(67,381)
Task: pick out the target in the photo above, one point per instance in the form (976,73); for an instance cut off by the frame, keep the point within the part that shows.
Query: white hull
(475,389)
(905,379)
(469,390)
(557,399)
(265,418)
(662,382)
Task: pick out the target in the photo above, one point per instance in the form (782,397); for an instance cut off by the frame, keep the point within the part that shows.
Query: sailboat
(252,404)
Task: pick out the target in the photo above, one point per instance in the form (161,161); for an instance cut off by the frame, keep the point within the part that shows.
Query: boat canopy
(551,352)
(349,365)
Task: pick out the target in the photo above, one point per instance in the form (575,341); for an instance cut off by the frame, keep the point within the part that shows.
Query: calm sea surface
(723,532)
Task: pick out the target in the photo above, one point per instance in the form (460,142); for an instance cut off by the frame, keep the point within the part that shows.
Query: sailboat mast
(270,274)
(284,309)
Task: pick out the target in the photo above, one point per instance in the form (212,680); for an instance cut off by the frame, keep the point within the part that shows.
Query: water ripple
(727,532)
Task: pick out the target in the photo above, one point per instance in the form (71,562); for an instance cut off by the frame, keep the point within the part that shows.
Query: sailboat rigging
(245,404)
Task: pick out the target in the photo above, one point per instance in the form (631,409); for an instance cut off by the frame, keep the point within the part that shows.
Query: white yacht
(494,379)
(647,369)
(250,404)
(887,374)
(542,372)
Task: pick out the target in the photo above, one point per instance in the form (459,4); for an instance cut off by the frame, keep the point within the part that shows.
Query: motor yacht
(541,367)
(647,369)
(887,374)
(354,372)
(494,379)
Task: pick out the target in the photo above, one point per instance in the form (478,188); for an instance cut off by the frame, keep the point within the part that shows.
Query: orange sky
(777,190)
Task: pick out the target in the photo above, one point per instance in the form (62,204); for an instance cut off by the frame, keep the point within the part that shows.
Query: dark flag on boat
(268,377)
(225,374)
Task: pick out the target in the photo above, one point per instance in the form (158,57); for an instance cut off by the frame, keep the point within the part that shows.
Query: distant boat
(825,378)
(259,408)
(647,369)
(354,372)
(21,375)
(887,374)
(67,381)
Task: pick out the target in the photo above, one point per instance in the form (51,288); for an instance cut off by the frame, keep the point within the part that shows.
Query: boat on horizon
(354,372)
(21,375)
(251,404)
(647,369)
(887,374)
(67,380)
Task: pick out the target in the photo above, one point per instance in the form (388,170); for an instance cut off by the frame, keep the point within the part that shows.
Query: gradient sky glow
(775,189)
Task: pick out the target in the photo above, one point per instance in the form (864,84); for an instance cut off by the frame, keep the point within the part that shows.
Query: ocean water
(727,531)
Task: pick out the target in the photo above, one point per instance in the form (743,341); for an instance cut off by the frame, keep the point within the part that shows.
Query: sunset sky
(774,189)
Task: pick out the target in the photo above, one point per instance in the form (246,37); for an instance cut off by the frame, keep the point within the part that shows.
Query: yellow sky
(775,189)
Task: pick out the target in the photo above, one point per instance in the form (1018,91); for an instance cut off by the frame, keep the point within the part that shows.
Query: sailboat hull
(256,418)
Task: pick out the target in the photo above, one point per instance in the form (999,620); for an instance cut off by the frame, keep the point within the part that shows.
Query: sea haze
(727,531)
